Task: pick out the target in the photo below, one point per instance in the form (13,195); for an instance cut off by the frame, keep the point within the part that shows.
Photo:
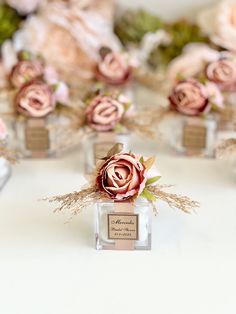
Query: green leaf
(153,180)
(148,195)
(141,160)
(149,162)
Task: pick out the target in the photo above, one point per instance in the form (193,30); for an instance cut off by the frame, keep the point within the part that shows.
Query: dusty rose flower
(35,99)
(215,96)
(122,177)
(24,6)
(223,73)
(104,112)
(113,69)
(190,97)
(219,23)
(3,130)
(25,71)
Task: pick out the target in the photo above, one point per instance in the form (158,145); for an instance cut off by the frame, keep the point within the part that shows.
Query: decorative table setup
(117,157)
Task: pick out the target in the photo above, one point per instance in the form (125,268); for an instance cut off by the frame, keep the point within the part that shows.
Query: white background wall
(169,8)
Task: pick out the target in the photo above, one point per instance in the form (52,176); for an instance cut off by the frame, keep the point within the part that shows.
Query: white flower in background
(219,23)
(24,6)
(192,61)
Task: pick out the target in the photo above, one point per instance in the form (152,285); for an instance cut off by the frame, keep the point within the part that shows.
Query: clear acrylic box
(123,226)
(5,171)
(97,144)
(194,136)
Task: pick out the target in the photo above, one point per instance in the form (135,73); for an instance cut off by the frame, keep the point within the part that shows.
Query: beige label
(123,227)
(37,138)
(194,137)
(101,150)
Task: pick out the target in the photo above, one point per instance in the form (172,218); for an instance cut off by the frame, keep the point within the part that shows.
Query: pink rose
(104,112)
(122,177)
(25,71)
(190,97)
(35,99)
(113,69)
(3,130)
(223,73)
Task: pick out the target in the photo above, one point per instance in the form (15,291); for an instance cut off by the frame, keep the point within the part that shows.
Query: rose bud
(104,112)
(35,99)
(113,68)
(223,73)
(122,177)
(25,71)
(190,97)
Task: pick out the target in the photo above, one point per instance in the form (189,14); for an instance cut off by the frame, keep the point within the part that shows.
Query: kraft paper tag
(123,226)
(194,137)
(101,150)
(37,138)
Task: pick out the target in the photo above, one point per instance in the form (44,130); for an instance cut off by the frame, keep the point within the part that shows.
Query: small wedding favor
(108,118)
(123,190)
(38,91)
(194,128)
(7,157)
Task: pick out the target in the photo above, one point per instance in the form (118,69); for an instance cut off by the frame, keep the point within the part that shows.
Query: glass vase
(194,136)
(123,225)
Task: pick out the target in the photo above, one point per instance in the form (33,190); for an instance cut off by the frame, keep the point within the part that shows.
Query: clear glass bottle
(226,124)
(5,171)
(41,137)
(97,144)
(123,226)
(194,136)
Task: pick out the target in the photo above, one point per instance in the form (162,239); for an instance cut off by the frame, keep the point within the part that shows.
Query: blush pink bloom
(190,97)
(215,96)
(25,71)
(3,130)
(122,177)
(104,112)
(223,73)
(35,99)
(114,69)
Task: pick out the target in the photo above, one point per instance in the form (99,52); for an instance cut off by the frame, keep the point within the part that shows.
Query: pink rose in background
(114,69)
(25,71)
(3,130)
(191,62)
(104,112)
(35,99)
(190,97)
(24,6)
(223,73)
(122,177)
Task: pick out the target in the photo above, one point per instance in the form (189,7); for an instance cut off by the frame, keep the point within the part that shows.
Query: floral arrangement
(123,177)
(36,86)
(108,111)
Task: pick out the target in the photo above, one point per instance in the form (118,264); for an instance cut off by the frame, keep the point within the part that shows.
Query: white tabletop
(49,266)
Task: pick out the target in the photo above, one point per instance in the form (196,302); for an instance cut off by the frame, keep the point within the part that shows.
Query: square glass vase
(123,225)
(194,136)
(5,172)
(97,144)
(40,137)
(226,124)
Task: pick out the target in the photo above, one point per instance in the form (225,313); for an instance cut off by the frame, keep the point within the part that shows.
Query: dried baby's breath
(226,149)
